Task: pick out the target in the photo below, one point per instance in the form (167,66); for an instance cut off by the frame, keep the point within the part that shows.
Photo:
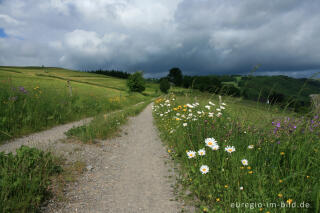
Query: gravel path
(126,174)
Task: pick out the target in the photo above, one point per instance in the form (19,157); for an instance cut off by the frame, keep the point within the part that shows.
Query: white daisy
(215,147)
(218,109)
(222,107)
(210,142)
(230,149)
(185,124)
(208,107)
(241,187)
(204,169)
(250,146)
(201,152)
(211,103)
(191,154)
(244,162)
(219,114)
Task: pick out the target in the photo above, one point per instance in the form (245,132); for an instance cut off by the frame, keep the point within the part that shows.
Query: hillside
(35,98)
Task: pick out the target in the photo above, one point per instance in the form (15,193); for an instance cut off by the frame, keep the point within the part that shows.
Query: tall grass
(25,178)
(283,156)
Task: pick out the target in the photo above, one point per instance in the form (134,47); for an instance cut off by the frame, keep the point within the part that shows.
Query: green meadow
(36,98)
(241,156)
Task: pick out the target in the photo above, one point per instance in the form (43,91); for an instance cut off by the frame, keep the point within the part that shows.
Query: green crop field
(35,98)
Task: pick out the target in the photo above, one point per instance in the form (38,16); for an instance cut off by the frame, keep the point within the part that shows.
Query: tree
(207,83)
(136,82)
(164,85)
(175,76)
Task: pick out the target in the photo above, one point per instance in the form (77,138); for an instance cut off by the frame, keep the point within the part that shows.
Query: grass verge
(105,126)
(236,165)
(25,178)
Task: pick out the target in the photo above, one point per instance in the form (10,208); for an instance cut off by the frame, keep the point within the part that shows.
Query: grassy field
(35,98)
(242,156)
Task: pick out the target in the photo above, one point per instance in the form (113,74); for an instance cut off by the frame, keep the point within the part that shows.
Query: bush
(24,179)
(136,82)
(164,85)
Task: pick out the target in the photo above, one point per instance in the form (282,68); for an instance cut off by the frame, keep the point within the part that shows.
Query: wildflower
(249,167)
(175,109)
(205,209)
(210,115)
(211,103)
(230,149)
(281,153)
(250,146)
(218,109)
(185,124)
(280,195)
(241,187)
(308,176)
(169,150)
(222,107)
(204,169)
(184,110)
(210,142)
(215,147)
(217,199)
(177,119)
(208,107)
(178,114)
(191,154)
(226,186)
(241,167)
(161,115)
(289,201)
(244,162)
(280,181)
(201,152)
(224,104)
(250,172)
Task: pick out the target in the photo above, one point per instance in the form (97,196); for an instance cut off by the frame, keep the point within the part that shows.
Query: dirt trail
(126,174)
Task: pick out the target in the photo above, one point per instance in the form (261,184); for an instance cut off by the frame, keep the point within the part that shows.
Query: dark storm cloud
(199,36)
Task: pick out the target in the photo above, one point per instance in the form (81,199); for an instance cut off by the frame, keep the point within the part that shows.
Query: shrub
(164,85)
(136,82)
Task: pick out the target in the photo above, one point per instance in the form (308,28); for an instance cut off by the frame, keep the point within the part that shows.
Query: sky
(199,36)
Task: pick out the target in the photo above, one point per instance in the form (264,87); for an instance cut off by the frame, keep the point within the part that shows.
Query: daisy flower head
(185,124)
(207,107)
(250,147)
(201,152)
(191,154)
(204,169)
(244,162)
(210,142)
(215,147)
(230,149)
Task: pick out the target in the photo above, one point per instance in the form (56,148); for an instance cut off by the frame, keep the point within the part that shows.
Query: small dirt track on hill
(127,174)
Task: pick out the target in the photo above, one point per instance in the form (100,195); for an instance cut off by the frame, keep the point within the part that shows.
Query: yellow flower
(241,167)
(308,176)
(281,153)
(289,201)
(250,172)
(267,212)
(249,167)
(175,109)
(280,195)
(184,106)
(177,119)
(169,150)
(205,209)
(280,181)
(226,186)
(217,199)
(260,209)
(184,110)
